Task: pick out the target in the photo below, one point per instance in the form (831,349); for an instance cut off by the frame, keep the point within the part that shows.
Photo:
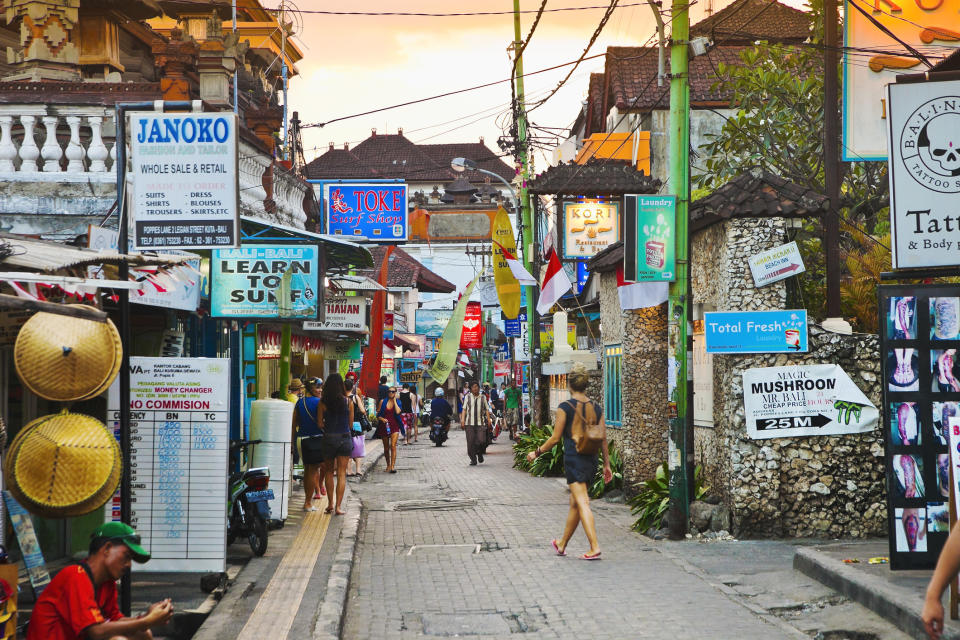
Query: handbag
(361,417)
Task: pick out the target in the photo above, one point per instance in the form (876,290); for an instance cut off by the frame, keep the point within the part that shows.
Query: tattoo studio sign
(813,400)
(924,152)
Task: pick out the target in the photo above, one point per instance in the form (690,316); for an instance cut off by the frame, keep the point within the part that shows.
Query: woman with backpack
(579,422)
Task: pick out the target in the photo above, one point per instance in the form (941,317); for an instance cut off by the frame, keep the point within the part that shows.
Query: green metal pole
(679,402)
(526,211)
(284,358)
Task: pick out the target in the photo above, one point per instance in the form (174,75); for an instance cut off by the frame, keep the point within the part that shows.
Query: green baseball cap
(120,532)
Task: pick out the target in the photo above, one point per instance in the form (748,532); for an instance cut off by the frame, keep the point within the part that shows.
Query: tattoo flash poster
(919,342)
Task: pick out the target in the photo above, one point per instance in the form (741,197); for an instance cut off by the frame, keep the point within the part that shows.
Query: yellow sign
(508,288)
(874,59)
(589,227)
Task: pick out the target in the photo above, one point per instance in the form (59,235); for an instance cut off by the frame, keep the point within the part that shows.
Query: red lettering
(359,194)
(383,201)
(366,201)
(396,200)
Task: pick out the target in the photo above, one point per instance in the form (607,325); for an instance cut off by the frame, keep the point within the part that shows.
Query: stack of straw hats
(68,464)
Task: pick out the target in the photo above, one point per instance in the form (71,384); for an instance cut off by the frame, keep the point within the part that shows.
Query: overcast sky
(357,63)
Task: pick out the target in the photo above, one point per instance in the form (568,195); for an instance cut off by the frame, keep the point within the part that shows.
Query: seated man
(81,601)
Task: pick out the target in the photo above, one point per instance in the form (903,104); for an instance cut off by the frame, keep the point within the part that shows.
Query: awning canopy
(341,254)
(49,257)
(356,283)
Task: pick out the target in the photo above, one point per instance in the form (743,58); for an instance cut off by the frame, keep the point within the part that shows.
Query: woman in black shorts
(579,469)
(337,443)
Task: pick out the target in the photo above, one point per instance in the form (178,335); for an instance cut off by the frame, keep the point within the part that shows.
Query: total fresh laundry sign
(264,281)
(755,331)
(814,400)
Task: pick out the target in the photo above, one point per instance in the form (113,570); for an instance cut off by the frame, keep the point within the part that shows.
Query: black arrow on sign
(793,422)
(793,346)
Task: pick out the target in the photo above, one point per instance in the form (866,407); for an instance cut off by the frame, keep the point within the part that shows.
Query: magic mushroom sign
(924,151)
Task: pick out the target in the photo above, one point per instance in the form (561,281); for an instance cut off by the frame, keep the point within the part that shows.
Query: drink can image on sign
(649,240)
(185,189)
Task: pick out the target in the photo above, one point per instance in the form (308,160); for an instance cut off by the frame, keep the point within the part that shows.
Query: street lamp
(462,164)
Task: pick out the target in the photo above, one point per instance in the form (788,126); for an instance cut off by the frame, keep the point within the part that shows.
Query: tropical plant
(598,488)
(549,463)
(653,499)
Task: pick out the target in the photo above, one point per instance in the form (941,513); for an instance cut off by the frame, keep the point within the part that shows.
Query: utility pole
(831,168)
(679,300)
(525,213)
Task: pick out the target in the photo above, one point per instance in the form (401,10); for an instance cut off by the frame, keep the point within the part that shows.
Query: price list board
(179,437)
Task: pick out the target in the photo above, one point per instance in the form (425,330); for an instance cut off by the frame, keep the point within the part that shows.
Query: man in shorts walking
(513,400)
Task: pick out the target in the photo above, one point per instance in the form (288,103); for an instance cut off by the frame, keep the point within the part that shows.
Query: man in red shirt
(80,603)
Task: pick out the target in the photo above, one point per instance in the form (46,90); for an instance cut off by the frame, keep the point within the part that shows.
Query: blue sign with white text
(756,331)
(511,328)
(376,211)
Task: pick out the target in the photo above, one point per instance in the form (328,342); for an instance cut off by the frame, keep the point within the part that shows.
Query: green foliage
(651,503)
(550,463)
(598,487)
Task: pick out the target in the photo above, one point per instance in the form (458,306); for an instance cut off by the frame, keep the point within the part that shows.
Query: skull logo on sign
(942,135)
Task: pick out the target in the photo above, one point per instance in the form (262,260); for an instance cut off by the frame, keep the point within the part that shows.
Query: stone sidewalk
(448,549)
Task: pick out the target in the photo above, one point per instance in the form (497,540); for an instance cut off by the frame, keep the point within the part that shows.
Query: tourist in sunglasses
(388,428)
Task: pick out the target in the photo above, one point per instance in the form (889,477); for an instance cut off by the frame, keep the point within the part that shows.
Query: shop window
(612,389)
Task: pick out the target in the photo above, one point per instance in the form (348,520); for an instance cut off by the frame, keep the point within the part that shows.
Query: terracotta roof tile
(597,176)
(745,21)
(595,114)
(407,271)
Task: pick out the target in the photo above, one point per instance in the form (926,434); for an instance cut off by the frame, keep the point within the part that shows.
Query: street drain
(470,623)
(457,548)
(843,634)
(435,504)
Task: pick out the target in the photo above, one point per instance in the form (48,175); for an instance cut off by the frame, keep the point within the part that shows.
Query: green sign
(342,350)
(649,238)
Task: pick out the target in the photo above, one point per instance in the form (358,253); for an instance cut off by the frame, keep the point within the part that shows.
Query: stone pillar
(174,60)
(47,50)
(217,57)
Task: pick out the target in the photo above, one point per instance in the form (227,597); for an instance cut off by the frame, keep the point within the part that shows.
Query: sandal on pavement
(309,508)
(590,556)
(328,510)
(556,547)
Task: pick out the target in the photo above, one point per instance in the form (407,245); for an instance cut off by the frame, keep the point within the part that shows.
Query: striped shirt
(473,410)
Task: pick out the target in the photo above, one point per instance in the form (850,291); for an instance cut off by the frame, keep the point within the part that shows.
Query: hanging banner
(408,371)
(508,287)
(342,350)
(755,331)
(432,322)
(776,264)
(589,228)
(472,335)
(377,212)
(874,59)
(649,243)
(812,400)
(264,281)
(388,325)
(348,313)
(924,168)
(501,370)
(449,344)
(184,180)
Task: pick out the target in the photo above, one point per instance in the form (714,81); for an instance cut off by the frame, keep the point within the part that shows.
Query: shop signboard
(342,350)
(264,281)
(472,335)
(421,342)
(756,331)
(10,322)
(179,434)
(408,371)
(501,370)
(432,322)
(386,369)
(874,57)
(502,354)
(388,325)
(924,172)
(589,228)
(521,344)
(511,327)
(649,251)
(22,524)
(184,180)
(375,211)
(348,313)
(920,372)
(776,264)
(798,401)
(582,275)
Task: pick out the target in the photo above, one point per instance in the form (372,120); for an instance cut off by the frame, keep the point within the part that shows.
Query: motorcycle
(247,506)
(438,430)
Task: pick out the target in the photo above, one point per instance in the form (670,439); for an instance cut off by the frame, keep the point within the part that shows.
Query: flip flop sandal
(587,556)
(556,548)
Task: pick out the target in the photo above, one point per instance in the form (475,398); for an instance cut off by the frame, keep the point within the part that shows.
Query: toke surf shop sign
(924,165)
(264,281)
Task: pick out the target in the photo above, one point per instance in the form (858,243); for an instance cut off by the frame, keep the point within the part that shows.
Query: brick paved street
(418,572)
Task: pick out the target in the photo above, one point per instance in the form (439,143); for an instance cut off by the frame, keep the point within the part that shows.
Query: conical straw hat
(63,465)
(67,359)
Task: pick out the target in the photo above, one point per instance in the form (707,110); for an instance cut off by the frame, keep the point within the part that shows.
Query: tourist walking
(475,418)
(307,435)
(513,401)
(406,412)
(336,445)
(359,416)
(415,410)
(388,428)
(579,468)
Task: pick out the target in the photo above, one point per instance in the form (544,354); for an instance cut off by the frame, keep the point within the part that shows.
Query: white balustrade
(96,150)
(29,151)
(84,151)
(288,193)
(8,151)
(75,152)
(51,151)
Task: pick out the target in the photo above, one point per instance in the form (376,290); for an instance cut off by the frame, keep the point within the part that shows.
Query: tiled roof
(632,72)
(745,21)
(394,156)
(597,176)
(595,113)
(407,271)
(756,194)
(608,259)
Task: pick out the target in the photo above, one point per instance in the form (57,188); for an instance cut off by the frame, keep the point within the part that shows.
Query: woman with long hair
(359,448)
(388,427)
(579,468)
(308,434)
(337,443)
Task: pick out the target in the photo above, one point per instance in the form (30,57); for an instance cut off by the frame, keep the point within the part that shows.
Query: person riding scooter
(440,408)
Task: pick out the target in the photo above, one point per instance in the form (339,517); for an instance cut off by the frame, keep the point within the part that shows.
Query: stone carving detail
(47,51)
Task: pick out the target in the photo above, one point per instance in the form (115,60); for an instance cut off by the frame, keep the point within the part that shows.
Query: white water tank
(270,421)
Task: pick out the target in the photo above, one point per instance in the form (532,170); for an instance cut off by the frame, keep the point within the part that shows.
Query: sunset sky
(357,63)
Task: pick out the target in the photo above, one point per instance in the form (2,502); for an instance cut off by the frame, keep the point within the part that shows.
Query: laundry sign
(811,400)
(776,264)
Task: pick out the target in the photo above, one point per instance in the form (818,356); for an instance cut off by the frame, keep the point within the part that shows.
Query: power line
(440,15)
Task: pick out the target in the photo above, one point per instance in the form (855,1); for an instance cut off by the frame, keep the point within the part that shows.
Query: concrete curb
(901,607)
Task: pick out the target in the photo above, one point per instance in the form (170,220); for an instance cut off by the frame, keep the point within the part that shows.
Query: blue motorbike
(248,509)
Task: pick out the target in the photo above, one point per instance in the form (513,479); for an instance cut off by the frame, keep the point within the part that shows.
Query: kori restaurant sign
(589,227)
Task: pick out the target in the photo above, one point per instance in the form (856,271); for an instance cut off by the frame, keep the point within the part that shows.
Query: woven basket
(67,359)
(63,465)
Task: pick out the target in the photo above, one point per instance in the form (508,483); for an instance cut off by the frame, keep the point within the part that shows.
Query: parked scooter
(247,506)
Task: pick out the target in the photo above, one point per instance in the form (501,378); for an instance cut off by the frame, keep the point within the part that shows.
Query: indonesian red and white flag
(555,284)
(639,295)
(516,267)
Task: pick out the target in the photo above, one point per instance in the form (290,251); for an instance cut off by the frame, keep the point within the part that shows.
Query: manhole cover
(437,503)
(465,624)
(444,548)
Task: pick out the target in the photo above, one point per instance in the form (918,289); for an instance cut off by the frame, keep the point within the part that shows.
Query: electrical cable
(438,15)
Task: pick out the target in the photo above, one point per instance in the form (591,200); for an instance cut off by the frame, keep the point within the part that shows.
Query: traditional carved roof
(756,194)
(597,176)
(745,21)
(407,271)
